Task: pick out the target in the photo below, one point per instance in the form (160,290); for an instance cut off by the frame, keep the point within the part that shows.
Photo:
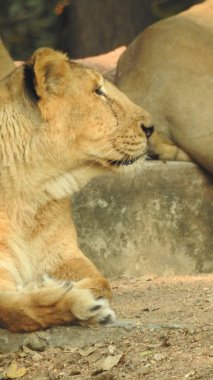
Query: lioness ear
(50,72)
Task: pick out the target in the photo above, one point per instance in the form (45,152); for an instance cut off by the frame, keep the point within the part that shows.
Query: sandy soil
(167,334)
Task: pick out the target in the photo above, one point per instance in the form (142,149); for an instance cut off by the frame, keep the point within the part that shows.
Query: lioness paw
(103,313)
(89,310)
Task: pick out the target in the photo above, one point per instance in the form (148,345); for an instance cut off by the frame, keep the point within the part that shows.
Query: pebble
(158,357)
(36,357)
(35,343)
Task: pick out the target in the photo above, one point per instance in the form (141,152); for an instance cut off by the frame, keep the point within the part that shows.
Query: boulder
(157,221)
(169,70)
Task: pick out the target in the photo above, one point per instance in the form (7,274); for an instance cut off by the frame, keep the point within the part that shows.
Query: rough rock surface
(159,220)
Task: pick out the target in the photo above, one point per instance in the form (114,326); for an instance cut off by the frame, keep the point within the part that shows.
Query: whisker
(107,154)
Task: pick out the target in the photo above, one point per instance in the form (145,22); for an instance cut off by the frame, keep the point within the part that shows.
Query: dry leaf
(86,352)
(14,372)
(145,353)
(189,374)
(94,357)
(111,348)
(27,350)
(158,357)
(209,299)
(149,277)
(99,345)
(36,357)
(109,362)
(21,354)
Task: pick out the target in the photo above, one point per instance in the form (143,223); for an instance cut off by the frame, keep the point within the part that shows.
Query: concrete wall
(160,221)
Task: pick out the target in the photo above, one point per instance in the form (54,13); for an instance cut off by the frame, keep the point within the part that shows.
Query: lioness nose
(148,130)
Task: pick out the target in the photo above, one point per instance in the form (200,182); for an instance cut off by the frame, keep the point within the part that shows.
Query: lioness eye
(100,91)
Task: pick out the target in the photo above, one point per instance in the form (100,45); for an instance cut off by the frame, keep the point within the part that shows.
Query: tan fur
(168,69)
(50,148)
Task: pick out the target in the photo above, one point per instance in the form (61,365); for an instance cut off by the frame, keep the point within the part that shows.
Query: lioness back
(169,69)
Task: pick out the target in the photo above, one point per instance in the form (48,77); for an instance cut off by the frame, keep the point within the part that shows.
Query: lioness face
(90,122)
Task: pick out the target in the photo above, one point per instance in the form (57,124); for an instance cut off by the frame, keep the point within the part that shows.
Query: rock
(159,356)
(10,341)
(108,362)
(74,337)
(14,372)
(35,343)
(168,69)
(111,348)
(37,357)
(157,222)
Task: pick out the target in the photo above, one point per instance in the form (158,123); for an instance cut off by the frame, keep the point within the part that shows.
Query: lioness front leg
(93,292)
(65,287)
(64,261)
(50,303)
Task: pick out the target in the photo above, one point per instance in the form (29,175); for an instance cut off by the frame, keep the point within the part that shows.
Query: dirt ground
(167,334)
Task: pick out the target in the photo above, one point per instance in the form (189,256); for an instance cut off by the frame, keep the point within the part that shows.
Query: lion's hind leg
(50,303)
(164,149)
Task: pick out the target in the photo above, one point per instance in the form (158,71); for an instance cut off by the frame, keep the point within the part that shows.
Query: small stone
(158,357)
(21,354)
(28,351)
(189,374)
(145,353)
(35,343)
(108,362)
(36,357)
(149,277)
(111,348)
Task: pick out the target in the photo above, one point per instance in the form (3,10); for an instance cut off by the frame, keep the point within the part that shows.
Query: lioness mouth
(123,162)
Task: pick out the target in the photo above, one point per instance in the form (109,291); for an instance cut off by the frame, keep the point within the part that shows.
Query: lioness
(169,69)
(60,125)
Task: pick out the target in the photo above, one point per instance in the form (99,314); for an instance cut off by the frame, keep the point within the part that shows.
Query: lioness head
(72,118)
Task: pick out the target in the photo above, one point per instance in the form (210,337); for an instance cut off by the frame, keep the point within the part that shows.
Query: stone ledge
(160,221)
(61,336)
